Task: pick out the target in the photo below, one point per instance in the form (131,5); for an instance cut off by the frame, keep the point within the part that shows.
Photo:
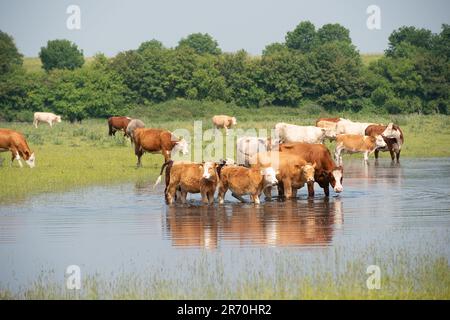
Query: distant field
(33,64)
(367,58)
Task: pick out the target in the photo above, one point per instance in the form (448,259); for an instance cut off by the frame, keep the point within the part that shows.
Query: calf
(326,172)
(222,121)
(118,124)
(48,117)
(133,125)
(243,181)
(292,172)
(309,134)
(392,135)
(15,142)
(191,178)
(353,143)
(157,141)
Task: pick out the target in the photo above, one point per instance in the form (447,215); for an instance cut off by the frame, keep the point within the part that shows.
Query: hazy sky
(112,26)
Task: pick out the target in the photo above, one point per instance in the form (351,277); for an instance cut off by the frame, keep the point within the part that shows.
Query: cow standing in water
(326,172)
(118,124)
(48,117)
(355,143)
(392,135)
(15,142)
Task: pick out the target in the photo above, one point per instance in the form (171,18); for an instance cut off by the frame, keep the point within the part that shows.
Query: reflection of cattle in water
(281,224)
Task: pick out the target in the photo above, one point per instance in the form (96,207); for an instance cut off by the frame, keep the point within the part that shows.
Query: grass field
(82,154)
(403,276)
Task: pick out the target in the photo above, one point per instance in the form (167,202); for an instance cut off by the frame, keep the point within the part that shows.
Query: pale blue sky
(112,26)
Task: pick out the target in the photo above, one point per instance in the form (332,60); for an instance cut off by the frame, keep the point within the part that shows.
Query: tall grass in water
(292,277)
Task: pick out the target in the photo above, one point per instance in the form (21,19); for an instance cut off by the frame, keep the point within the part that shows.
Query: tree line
(319,66)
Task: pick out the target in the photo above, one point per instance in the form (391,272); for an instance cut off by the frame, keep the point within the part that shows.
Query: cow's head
(209,170)
(30,160)
(379,141)
(308,171)
(336,177)
(269,176)
(58,118)
(391,131)
(233,121)
(181,146)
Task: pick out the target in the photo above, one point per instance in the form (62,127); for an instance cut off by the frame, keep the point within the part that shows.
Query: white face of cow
(182,146)
(30,161)
(308,172)
(380,143)
(269,176)
(337,175)
(58,119)
(209,169)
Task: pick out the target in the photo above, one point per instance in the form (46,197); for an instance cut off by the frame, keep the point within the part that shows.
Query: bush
(61,54)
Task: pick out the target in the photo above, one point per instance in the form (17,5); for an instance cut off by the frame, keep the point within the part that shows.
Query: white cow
(249,146)
(48,117)
(345,126)
(288,133)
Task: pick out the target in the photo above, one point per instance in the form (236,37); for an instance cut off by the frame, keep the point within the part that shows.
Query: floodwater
(127,227)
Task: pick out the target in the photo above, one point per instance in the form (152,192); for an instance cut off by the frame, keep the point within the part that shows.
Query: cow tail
(167,164)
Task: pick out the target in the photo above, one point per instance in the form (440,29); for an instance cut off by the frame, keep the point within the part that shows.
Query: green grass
(403,276)
(78,155)
(368,58)
(34,64)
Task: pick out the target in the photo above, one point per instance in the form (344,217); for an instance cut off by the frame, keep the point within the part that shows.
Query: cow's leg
(204,195)
(17,157)
(211,197)
(280,189)
(138,152)
(183,197)
(170,195)
(337,156)
(391,151)
(294,192)
(287,186)
(376,154)
(50,123)
(326,190)
(226,130)
(310,190)
(366,156)
(222,190)
(398,156)
(255,198)
(35,123)
(268,193)
(238,197)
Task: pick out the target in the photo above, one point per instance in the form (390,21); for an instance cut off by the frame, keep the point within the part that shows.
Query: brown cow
(222,121)
(118,124)
(326,172)
(355,143)
(157,141)
(292,172)
(15,142)
(393,145)
(191,178)
(243,181)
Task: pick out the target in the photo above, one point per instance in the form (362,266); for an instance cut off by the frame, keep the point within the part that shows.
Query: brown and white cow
(223,121)
(190,178)
(292,172)
(16,143)
(245,181)
(326,172)
(48,117)
(392,135)
(118,124)
(354,143)
(158,141)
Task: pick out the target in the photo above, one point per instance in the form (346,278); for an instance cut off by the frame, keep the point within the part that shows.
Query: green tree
(201,42)
(333,32)
(421,38)
(9,55)
(61,54)
(274,48)
(303,37)
(152,44)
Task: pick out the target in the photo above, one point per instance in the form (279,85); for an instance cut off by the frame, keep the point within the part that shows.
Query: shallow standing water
(128,227)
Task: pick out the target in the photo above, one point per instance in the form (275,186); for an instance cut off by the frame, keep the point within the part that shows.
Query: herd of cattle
(295,158)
